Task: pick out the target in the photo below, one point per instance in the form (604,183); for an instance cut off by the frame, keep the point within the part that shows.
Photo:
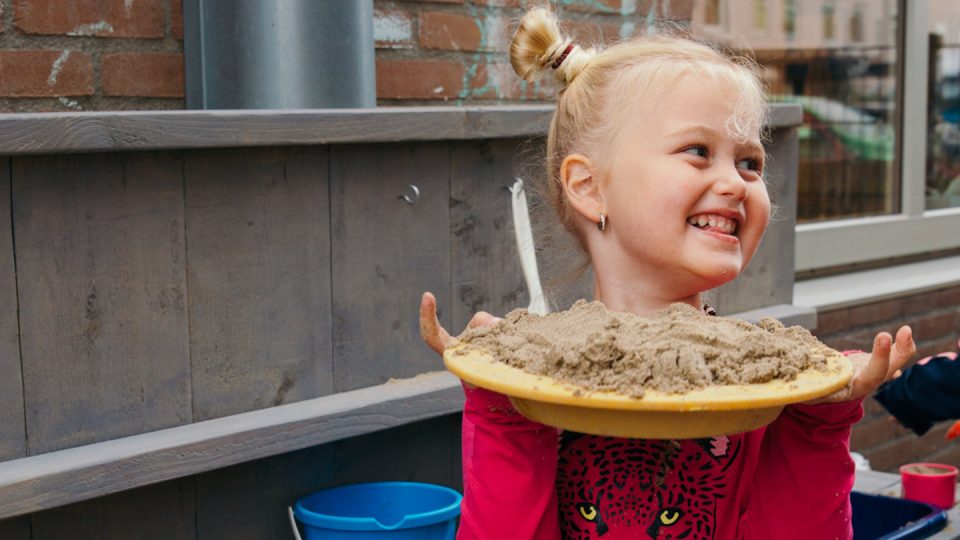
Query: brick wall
(61,55)
(935,319)
(462,45)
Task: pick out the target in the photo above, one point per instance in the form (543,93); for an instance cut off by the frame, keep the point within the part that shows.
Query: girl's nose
(729,183)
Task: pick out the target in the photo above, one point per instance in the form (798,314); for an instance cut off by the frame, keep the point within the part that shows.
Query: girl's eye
(697,150)
(750,164)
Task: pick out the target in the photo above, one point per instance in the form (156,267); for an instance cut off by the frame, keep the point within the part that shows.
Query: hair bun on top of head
(538,46)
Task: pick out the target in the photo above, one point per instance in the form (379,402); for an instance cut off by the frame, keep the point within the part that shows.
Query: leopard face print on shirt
(631,488)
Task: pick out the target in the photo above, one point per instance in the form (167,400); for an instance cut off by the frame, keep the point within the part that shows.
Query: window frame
(913,230)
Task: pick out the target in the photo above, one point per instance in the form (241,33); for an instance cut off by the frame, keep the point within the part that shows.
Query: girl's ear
(581,187)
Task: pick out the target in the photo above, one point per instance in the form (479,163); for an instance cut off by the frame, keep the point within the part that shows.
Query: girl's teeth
(714,221)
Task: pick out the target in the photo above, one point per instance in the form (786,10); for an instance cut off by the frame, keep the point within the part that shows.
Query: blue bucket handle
(293,523)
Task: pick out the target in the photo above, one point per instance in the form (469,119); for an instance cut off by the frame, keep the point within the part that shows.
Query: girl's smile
(722,223)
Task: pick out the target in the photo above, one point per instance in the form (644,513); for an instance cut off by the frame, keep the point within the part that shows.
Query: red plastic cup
(932,483)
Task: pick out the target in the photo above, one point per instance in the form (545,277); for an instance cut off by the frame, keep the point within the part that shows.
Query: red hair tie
(563,56)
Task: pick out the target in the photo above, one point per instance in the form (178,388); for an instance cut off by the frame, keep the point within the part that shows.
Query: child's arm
(509,462)
(926,393)
(509,472)
(805,474)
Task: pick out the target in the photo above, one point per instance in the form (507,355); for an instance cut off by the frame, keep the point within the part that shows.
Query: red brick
(680,10)
(392,29)
(872,409)
(876,432)
(949,455)
(908,449)
(928,301)
(176,18)
(891,455)
(846,343)
(919,303)
(45,73)
(933,440)
(498,81)
(936,325)
(419,79)
(937,346)
(830,322)
(502,3)
(439,1)
(143,74)
(594,6)
(449,32)
(876,312)
(590,33)
(675,10)
(949,298)
(107,18)
(497,31)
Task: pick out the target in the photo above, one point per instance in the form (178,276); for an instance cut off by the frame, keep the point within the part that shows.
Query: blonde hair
(589,103)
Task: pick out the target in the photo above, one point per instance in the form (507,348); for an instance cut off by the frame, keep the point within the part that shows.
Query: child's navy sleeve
(924,394)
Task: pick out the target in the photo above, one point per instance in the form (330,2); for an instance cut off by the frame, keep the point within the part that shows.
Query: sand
(677,350)
(925,469)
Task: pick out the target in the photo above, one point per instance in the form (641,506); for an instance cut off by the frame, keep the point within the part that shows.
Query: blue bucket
(380,511)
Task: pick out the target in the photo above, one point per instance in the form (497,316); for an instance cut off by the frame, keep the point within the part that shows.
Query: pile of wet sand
(677,350)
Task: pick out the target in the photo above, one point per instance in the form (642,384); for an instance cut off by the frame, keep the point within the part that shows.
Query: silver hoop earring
(602,225)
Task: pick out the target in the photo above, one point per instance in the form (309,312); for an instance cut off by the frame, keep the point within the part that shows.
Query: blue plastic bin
(380,511)
(876,517)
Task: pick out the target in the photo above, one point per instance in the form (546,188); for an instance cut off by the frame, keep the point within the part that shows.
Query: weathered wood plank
(768,279)
(258,237)
(386,252)
(164,511)
(100,257)
(99,131)
(484,264)
(36,133)
(18,528)
(59,478)
(13,438)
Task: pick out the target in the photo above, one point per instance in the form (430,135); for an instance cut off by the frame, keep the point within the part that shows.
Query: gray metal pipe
(279,54)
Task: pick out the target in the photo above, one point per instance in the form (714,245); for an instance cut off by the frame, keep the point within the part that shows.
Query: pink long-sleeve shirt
(524,480)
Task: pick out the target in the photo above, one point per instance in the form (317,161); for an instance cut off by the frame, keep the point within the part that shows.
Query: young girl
(655,166)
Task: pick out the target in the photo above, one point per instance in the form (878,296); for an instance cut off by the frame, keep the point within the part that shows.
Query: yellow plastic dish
(707,412)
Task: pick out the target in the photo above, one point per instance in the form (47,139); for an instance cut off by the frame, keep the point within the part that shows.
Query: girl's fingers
(875,372)
(903,350)
(432,333)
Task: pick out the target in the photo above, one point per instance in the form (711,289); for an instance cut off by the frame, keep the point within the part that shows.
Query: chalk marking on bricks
(390,28)
(91,29)
(69,103)
(57,67)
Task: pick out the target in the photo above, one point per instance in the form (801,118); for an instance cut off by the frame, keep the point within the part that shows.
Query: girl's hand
(435,335)
(870,371)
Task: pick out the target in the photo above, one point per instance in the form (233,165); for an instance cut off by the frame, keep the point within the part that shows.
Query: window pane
(838,60)
(943,134)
